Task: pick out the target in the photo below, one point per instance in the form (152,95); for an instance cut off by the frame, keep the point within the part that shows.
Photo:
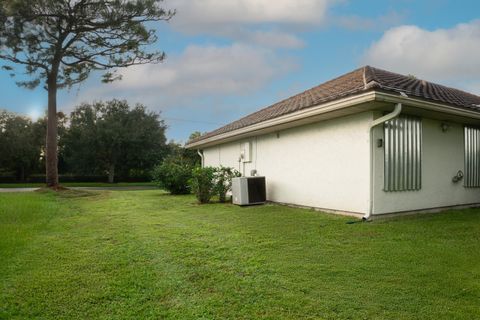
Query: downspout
(385,118)
(202,157)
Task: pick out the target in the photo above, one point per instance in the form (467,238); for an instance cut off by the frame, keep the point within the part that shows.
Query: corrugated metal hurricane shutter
(403,154)
(472,157)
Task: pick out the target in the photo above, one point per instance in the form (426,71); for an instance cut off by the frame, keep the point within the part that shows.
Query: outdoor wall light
(444,126)
(459,176)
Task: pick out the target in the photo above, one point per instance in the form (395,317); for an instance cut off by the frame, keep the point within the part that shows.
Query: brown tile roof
(361,80)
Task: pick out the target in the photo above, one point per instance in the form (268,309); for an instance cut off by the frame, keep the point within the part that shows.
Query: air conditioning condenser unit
(248,190)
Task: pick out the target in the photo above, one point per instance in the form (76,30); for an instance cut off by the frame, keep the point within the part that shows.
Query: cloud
(446,55)
(358,23)
(273,24)
(267,23)
(201,15)
(204,70)
(270,39)
(199,72)
(200,88)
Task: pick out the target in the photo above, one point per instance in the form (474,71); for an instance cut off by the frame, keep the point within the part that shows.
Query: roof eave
(427,105)
(293,118)
(283,120)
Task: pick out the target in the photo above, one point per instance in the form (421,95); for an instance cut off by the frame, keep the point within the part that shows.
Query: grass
(79,184)
(148,255)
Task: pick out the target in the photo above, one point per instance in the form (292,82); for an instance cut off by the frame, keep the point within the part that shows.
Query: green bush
(223,181)
(173,175)
(203,183)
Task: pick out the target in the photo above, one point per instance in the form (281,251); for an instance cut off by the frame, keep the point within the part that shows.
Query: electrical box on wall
(246,151)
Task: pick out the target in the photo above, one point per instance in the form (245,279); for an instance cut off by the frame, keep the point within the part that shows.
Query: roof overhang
(431,109)
(371,100)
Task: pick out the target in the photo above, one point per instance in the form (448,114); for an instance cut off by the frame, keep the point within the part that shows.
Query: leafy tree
(173,175)
(112,137)
(223,181)
(194,135)
(176,150)
(60,42)
(80,143)
(175,172)
(203,183)
(20,144)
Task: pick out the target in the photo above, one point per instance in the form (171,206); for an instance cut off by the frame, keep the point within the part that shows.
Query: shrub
(173,175)
(223,181)
(203,183)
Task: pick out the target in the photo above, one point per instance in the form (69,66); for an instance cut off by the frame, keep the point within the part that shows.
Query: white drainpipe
(201,156)
(389,116)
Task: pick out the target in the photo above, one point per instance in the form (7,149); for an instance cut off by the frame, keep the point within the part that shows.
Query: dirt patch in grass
(63,192)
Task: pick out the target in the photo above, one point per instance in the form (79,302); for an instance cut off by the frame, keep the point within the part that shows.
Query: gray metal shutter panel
(472,157)
(403,154)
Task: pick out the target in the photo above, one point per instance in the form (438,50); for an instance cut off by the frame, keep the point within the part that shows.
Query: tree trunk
(51,143)
(222,197)
(111,173)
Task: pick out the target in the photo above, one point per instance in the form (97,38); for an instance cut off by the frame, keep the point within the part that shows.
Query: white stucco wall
(324,165)
(442,157)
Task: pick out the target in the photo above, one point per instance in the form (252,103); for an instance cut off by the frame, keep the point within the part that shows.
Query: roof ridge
(423,82)
(365,77)
(303,92)
(360,80)
(372,83)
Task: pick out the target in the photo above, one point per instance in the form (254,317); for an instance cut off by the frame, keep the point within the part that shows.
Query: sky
(228,58)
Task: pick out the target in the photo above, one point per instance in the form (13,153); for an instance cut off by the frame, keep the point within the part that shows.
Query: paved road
(115,188)
(6,190)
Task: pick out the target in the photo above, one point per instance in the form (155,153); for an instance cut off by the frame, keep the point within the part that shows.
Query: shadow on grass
(69,193)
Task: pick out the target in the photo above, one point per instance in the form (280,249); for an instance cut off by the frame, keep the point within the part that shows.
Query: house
(370,142)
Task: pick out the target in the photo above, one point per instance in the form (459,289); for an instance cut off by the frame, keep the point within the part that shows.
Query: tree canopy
(60,42)
(64,40)
(112,137)
(20,144)
(103,139)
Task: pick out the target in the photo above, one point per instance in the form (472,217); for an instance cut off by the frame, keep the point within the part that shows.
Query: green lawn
(79,184)
(148,255)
